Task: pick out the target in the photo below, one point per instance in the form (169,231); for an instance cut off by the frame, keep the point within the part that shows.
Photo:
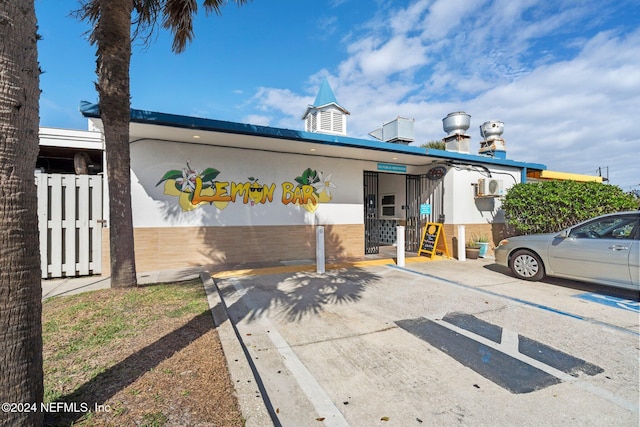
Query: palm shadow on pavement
(293,295)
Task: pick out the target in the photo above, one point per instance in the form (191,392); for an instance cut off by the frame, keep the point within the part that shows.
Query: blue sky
(564,75)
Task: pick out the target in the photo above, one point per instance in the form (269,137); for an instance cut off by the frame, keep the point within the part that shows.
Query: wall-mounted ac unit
(489,187)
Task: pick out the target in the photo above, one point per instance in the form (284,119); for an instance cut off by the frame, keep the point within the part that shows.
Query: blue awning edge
(91,110)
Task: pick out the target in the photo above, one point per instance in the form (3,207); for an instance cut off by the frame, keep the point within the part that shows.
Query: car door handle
(618,248)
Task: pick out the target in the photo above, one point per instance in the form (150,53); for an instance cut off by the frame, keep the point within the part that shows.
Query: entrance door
(371,223)
(422,190)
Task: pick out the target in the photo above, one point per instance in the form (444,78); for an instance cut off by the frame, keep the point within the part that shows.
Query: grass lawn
(147,356)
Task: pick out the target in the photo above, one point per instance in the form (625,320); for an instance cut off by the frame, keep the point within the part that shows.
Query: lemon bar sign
(199,188)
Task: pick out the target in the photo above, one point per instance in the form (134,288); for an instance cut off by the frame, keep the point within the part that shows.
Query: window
(388,205)
(612,227)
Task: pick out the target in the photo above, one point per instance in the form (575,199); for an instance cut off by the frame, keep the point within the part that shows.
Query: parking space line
(305,379)
(555,358)
(480,354)
(504,353)
(510,340)
(518,300)
(633,407)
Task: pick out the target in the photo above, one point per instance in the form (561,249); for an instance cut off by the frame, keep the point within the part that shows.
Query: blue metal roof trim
(188,122)
(452,155)
(88,109)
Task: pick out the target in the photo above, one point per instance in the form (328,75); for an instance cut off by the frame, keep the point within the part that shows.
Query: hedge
(551,206)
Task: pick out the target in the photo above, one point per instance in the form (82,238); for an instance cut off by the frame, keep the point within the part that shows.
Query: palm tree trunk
(113,39)
(21,377)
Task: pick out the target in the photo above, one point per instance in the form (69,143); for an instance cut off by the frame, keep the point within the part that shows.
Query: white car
(605,250)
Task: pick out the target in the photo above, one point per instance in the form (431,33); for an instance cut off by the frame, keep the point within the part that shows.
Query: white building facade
(207,192)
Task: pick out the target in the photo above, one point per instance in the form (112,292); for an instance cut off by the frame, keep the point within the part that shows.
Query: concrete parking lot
(432,343)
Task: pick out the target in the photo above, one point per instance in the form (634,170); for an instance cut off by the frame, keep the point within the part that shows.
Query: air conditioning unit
(489,187)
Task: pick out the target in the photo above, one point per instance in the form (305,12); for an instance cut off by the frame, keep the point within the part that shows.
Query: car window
(611,227)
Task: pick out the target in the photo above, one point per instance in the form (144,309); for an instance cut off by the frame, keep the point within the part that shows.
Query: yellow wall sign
(198,188)
(433,239)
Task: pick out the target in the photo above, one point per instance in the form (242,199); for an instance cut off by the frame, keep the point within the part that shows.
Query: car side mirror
(563,234)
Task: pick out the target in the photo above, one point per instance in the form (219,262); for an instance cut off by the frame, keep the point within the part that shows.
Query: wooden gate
(70,224)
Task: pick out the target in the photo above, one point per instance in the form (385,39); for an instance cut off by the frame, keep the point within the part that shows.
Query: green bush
(436,145)
(550,206)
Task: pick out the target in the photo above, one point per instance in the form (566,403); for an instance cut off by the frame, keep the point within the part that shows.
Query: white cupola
(325,115)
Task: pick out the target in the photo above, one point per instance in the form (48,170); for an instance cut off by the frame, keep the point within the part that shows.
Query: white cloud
(567,96)
(257,119)
(446,16)
(574,115)
(405,20)
(396,55)
(327,25)
(283,100)
(284,107)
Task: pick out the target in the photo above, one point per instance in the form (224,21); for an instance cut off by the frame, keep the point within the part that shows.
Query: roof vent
(455,124)
(492,143)
(491,130)
(398,131)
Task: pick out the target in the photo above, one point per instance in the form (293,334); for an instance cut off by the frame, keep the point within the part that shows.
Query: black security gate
(422,190)
(371,223)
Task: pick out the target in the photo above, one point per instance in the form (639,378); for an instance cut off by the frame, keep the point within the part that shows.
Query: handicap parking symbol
(625,304)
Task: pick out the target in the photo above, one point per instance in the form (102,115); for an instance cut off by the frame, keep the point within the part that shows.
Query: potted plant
(483,243)
(472,249)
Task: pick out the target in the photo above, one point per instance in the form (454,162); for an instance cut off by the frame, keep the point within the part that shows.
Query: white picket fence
(70,224)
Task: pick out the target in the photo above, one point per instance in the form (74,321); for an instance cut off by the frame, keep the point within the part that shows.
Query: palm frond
(89,11)
(177,16)
(216,5)
(145,20)
(213,5)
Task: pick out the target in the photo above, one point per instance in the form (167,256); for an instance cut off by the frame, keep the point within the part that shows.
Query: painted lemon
(170,188)
(312,204)
(185,203)
(324,197)
(255,193)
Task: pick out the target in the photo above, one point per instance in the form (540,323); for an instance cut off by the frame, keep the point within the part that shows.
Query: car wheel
(526,265)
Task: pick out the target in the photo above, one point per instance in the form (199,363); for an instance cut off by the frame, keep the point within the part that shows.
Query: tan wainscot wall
(167,248)
(495,233)
(179,247)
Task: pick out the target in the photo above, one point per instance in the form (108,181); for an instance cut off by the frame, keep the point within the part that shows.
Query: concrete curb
(249,390)
(75,285)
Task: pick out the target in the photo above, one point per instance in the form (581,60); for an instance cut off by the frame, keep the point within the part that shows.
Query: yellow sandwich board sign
(433,239)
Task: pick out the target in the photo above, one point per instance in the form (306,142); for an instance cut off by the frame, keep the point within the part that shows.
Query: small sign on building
(388,167)
(425,209)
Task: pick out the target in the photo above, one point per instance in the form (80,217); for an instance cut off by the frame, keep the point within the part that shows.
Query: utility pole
(604,178)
